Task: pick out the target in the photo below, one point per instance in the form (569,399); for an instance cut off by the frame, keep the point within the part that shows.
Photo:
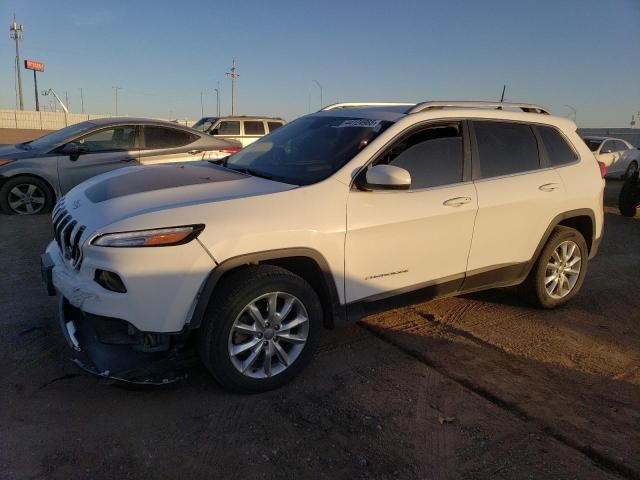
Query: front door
(100,151)
(400,241)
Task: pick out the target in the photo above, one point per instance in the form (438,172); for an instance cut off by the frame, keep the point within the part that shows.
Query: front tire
(261,329)
(25,195)
(560,269)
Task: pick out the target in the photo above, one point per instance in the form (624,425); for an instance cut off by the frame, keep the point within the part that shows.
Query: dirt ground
(12,135)
(480,387)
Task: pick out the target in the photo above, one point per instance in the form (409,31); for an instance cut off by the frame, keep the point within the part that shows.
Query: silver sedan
(33,174)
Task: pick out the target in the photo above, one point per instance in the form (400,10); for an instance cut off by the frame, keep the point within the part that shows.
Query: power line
(233,73)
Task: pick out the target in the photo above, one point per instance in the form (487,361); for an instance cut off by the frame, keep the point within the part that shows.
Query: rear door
(101,151)
(518,197)
(253,130)
(165,145)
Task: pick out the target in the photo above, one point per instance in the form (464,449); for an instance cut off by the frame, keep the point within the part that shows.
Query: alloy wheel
(268,335)
(26,199)
(563,269)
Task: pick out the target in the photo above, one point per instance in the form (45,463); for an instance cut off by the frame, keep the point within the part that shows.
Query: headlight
(159,237)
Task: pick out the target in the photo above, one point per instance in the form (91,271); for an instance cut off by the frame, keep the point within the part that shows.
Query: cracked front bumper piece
(113,348)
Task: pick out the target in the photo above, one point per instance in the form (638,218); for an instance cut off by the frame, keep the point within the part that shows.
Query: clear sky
(584,53)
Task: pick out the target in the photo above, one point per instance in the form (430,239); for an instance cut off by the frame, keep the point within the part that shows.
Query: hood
(12,152)
(133,191)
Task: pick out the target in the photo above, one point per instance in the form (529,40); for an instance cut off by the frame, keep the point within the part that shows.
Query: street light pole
(201,105)
(116,90)
(217,102)
(321,91)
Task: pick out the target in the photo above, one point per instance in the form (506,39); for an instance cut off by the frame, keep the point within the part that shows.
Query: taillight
(230,150)
(603,169)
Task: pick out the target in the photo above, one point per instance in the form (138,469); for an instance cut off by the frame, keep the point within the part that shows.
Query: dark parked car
(33,174)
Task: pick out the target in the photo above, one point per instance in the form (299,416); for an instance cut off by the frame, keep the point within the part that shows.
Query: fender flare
(337,309)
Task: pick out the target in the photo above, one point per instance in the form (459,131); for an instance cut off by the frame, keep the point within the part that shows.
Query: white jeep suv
(344,212)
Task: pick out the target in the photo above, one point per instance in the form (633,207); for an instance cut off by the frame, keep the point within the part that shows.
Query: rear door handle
(127,160)
(549,187)
(457,201)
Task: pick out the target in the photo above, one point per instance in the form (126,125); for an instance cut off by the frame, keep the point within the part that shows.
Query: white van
(244,129)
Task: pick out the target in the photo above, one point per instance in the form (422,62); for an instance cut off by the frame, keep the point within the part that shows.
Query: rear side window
(558,151)
(228,128)
(274,126)
(253,128)
(161,137)
(505,148)
(433,156)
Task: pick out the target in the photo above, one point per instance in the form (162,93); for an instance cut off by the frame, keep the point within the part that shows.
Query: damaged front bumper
(113,348)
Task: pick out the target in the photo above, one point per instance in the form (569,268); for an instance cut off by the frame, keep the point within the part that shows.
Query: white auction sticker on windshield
(359,123)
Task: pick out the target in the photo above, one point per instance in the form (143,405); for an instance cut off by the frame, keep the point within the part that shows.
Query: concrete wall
(23,119)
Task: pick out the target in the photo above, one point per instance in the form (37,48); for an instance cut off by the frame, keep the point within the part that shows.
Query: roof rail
(525,107)
(337,106)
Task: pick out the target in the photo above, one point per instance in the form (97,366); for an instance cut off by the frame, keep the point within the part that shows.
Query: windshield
(307,150)
(204,124)
(593,143)
(59,136)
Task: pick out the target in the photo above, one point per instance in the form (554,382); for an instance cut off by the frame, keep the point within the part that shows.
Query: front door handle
(127,160)
(194,152)
(549,187)
(457,201)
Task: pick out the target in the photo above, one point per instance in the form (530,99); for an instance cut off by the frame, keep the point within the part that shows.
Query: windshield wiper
(252,172)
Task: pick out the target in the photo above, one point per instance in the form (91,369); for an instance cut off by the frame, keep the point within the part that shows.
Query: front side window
(116,139)
(253,128)
(307,150)
(505,148)
(228,128)
(162,137)
(433,156)
(558,151)
(607,147)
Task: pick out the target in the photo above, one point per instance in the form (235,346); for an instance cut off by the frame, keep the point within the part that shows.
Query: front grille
(67,233)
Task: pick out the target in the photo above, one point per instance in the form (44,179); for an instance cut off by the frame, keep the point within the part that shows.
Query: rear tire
(26,195)
(629,198)
(247,340)
(631,170)
(559,271)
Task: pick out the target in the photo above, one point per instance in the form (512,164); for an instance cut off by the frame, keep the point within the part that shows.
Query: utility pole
(116,90)
(15,32)
(233,73)
(82,99)
(321,91)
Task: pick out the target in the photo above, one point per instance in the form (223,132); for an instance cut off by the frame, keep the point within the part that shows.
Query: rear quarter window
(559,152)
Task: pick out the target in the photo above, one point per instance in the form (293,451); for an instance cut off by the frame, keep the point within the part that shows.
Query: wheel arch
(582,220)
(304,262)
(4,179)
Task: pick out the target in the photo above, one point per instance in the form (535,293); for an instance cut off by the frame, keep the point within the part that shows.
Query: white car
(243,129)
(619,156)
(344,212)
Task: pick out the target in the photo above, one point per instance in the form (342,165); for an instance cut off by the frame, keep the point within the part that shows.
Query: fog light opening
(110,281)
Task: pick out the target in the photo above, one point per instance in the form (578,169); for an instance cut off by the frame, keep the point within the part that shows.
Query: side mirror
(214,131)
(73,150)
(386,177)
